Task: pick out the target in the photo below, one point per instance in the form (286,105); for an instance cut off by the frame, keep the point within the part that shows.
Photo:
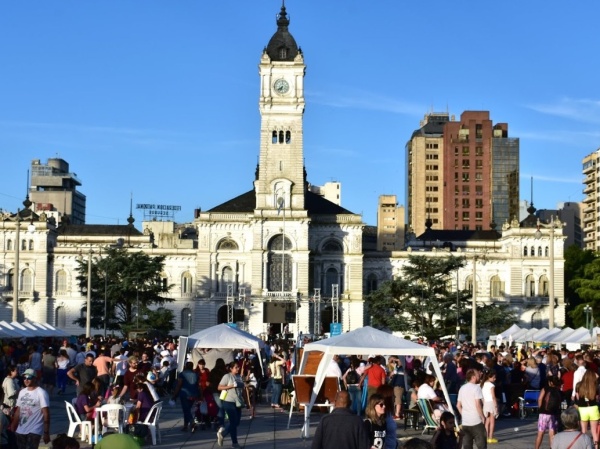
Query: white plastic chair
(110,416)
(151,422)
(75,421)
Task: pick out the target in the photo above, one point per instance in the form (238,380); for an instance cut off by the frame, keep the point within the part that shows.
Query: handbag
(239,402)
(223,395)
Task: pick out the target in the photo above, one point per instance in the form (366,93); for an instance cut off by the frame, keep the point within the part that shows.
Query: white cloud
(579,109)
(360,99)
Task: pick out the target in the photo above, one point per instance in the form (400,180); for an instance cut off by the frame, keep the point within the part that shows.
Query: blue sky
(159,99)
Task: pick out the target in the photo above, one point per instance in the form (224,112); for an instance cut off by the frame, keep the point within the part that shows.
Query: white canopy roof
(547,336)
(221,336)
(562,335)
(580,336)
(510,331)
(365,340)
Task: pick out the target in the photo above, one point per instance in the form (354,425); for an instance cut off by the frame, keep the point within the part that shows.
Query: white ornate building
(276,254)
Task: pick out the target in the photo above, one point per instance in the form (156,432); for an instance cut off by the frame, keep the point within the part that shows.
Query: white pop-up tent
(363,341)
(221,336)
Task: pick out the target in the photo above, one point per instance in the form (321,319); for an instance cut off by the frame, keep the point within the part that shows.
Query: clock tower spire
(281,105)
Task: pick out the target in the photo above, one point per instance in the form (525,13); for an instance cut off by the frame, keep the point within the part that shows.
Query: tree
(420,301)
(130,280)
(584,273)
(576,262)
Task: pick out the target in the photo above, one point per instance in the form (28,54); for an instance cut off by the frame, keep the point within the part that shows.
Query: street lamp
(16,277)
(588,318)
(538,234)
(88,315)
(189,324)
(474,298)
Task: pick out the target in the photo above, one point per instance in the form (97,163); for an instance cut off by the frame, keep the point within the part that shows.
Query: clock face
(281,86)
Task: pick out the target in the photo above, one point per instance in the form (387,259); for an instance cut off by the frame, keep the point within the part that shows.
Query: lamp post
(588,319)
(189,324)
(457,310)
(88,315)
(538,235)
(474,298)
(105,299)
(281,207)
(16,275)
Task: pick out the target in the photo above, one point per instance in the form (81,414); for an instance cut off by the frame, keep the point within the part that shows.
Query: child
(446,436)
(490,406)
(549,410)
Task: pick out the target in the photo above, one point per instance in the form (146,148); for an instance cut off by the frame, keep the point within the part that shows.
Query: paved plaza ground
(269,429)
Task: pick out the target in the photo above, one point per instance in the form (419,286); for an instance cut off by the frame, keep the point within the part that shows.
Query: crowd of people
(484,385)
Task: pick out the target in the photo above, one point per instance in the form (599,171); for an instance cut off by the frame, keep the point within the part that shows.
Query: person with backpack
(351,380)
(549,410)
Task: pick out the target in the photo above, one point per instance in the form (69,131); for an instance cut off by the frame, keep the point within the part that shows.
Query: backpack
(352,377)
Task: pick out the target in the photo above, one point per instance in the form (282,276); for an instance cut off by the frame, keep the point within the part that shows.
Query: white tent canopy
(221,336)
(580,335)
(510,331)
(365,340)
(562,335)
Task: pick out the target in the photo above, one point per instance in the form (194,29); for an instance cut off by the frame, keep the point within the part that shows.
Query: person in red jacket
(375,375)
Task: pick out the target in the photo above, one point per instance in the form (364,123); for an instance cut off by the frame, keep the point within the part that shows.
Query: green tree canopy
(127,280)
(421,301)
(582,273)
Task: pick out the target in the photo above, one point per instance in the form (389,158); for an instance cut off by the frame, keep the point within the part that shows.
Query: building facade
(390,224)
(462,174)
(53,189)
(591,173)
(279,253)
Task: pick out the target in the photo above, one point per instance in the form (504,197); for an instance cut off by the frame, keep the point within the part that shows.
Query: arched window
(227,278)
(529,286)
(525,251)
(163,279)
(60,317)
(26,281)
(496,287)
(371,284)
(227,245)
(469,283)
(274,137)
(288,137)
(544,286)
(331,277)
(332,246)
(280,136)
(539,251)
(547,251)
(10,279)
(186,283)
(186,318)
(61,282)
(536,320)
(23,245)
(532,251)
(9,245)
(30,245)
(280,264)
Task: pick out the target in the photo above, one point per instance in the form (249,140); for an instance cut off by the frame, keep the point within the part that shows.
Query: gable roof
(98,229)
(313,203)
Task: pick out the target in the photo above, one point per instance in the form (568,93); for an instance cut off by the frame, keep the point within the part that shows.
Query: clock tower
(280,180)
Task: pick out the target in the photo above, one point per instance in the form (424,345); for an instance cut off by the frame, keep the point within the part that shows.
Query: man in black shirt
(84,372)
(341,428)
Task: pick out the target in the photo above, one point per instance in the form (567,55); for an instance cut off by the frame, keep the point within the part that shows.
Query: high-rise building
(331,191)
(390,224)
(54,189)
(463,174)
(591,239)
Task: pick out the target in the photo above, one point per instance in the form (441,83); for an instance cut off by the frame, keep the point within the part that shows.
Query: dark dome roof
(282,46)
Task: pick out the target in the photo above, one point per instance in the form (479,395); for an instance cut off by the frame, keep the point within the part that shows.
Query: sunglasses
(381,404)
(27,377)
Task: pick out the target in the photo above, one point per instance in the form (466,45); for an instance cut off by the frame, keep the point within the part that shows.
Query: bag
(223,395)
(352,377)
(239,402)
(138,430)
